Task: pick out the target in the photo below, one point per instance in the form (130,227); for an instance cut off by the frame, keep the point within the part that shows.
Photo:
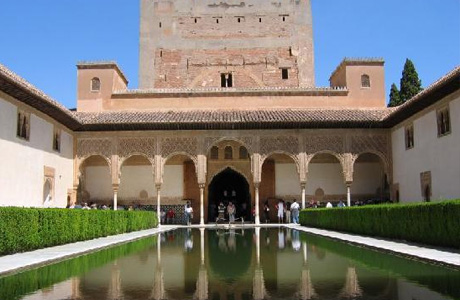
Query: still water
(276,263)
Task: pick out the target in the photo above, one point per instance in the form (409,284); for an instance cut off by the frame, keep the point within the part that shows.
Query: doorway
(229,186)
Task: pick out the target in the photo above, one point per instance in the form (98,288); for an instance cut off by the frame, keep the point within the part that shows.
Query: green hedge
(25,229)
(436,224)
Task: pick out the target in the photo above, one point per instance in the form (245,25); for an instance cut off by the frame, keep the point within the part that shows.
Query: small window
(217,21)
(226,80)
(95,84)
(443,117)
(239,20)
(365,81)
(243,153)
(214,152)
(196,20)
(57,140)
(260,20)
(409,136)
(228,152)
(159,25)
(284,74)
(23,125)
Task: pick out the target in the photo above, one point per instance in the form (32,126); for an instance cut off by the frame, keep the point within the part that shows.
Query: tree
(410,83)
(395,98)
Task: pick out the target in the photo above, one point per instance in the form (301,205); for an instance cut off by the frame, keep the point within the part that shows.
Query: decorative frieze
(89,147)
(319,143)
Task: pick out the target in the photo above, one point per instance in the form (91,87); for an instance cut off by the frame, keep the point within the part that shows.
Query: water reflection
(238,264)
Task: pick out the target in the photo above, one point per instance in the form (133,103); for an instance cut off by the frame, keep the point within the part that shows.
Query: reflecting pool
(233,264)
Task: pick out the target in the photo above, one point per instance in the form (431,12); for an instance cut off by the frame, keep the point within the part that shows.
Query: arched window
(214,152)
(95,84)
(243,152)
(228,152)
(365,81)
(47,192)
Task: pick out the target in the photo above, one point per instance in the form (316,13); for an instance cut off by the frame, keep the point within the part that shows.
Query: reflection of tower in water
(351,288)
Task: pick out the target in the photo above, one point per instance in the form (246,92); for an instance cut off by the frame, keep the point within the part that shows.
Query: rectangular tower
(226,43)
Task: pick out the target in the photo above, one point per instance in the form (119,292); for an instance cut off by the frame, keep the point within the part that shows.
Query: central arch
(227,186)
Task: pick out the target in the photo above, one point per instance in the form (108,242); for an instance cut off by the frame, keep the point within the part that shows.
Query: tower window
(284,73)
(226,80)
(23,125)
(239,20)
(409,132)
(217,21)
(57,140)
(260,20)
(443,117)
(196,20)
(95,84)
(159,25)
(365,81)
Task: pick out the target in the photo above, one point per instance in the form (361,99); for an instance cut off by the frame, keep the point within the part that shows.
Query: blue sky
(43,40)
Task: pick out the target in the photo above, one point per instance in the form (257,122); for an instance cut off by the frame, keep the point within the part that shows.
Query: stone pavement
(16,262)
(438,256)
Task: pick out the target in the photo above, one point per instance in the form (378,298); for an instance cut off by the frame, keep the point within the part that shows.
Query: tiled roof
(19,88)
(347,61)
(436,91)
(110,64)
(235,119)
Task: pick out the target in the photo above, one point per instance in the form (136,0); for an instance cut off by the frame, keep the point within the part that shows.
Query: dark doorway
(229,186)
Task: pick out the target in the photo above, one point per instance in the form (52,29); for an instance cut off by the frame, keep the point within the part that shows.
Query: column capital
(303,184)
(115,187)
(257,184)
(201,185)
(158,186)
(348,183)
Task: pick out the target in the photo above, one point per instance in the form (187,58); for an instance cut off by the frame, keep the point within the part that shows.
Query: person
(93,206)
(188,214)
(231,210)
(163,216)
(329,205)
(280,208)
(85,206)
(266,212)
(295,207)
(170,216)
(341,204)
(295,241)
(288,212)
(188,241)
(221,211)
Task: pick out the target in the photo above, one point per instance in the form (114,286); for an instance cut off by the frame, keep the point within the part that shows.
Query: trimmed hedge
(25,229)
(436,224)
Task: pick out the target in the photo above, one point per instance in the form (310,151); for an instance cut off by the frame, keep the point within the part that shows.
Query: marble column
(115,197)
(303,188)
(158,186)
(257,214)
(201,185)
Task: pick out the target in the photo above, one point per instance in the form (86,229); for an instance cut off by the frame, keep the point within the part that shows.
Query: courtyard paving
(21,261)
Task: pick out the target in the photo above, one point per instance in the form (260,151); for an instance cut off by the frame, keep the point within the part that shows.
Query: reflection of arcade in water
(233,264)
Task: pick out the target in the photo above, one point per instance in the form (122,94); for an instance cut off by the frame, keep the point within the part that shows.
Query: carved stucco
(90,147)
(318,143)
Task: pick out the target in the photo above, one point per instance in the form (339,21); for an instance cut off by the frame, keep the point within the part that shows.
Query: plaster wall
(134,179)
(439,155)
(22,162)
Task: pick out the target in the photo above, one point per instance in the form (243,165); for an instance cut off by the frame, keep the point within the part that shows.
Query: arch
(371,171)
(229,186)
(383,159)
(47,191)
(281,152)
(179,153)
(228,138)
(233,168)
(102,193)
(365,81)
(83,160)
(95,84)
(122,160)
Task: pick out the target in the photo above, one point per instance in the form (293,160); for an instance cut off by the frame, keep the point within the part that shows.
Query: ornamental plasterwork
(286,144)
(318,143)
(171,145)
(130,146)
(246,141)
(372,144)
(88,147)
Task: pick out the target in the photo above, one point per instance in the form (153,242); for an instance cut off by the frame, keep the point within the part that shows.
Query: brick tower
(226,43)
